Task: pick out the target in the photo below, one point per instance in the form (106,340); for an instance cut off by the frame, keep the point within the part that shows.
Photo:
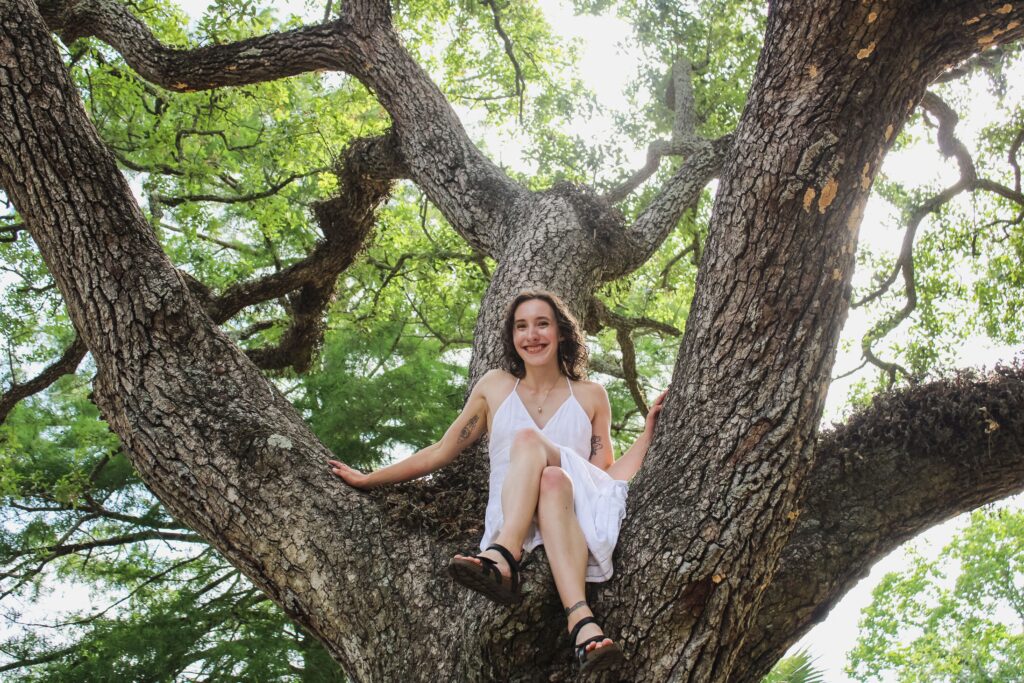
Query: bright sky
(607,64)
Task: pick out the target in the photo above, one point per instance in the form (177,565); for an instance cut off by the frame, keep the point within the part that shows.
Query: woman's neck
(542,378)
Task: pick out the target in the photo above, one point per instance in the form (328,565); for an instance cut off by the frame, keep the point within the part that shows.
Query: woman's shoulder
(589,386)
(591,393)
(495,380)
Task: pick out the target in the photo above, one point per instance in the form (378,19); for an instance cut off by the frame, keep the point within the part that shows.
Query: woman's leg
(566,549)
(530,453)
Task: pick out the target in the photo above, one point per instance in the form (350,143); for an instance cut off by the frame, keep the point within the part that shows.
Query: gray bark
(706,555)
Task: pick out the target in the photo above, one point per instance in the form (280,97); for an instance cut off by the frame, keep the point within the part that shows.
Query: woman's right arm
(466,430)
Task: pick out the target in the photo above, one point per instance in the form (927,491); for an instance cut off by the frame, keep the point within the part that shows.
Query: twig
(510,51)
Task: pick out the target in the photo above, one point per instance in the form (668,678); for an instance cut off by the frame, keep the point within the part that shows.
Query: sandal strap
(512,564)
(489,566)
(579,625)
(588,641)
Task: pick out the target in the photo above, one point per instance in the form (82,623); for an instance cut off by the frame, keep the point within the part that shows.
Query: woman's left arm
(601,453)
(629,464)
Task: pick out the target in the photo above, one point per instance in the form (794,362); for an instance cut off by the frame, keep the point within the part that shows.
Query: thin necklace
(540,408)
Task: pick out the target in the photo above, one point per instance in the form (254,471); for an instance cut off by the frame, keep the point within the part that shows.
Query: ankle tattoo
(570,610)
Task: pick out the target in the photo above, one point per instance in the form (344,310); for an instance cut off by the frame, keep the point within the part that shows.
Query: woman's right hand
(352,477)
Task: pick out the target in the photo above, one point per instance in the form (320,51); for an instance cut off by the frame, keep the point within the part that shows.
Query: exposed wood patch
(828,194)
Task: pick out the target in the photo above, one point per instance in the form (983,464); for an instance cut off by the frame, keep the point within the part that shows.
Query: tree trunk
(713,508)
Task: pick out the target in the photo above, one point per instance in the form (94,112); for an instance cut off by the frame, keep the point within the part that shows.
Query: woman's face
(535,332)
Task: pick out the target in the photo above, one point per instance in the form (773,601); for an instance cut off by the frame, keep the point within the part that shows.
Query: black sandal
(486,579)
(599,659)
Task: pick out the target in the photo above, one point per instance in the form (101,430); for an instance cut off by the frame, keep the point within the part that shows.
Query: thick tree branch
(210,436)
(365,171)
(468,188)
(66,364)
(913,459)
(330,46)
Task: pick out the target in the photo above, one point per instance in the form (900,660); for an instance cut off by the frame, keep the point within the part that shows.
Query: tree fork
(230,456)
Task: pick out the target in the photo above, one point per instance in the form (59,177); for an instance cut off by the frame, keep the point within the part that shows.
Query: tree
(743,526)
(937,621)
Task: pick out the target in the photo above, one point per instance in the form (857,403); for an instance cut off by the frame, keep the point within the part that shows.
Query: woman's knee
(528,443)
(555,482)
(527,438)
(531,443)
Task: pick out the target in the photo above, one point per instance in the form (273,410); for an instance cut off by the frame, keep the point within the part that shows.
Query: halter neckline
(526,411)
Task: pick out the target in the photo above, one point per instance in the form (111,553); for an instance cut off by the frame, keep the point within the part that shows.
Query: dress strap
(517,384)
(570,387)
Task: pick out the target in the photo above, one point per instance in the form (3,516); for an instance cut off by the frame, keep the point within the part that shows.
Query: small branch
(950,146)
(66,364)
(252,330)
(181,134)
(600,316)
(138,537)
(629,369)
(163,169)
(234,199)
(851,372)
(240,247)
(520,80)
(693,248)
(1012,158)
(684,142)
(13,229)
(44,658)
(983,60)
(682,192)
(446,342)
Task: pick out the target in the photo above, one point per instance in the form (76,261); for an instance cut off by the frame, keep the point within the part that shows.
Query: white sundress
(598,499)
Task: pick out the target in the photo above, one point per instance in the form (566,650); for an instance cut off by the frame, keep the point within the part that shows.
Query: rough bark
(914,458)
(711,512)
(211,437)
(834,82)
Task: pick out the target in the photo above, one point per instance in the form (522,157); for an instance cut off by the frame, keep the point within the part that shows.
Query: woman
(553,479)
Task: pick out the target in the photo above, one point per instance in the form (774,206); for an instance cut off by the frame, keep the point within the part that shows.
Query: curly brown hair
(572,349)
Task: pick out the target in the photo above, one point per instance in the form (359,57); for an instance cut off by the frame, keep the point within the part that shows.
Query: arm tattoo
(595,446)
(468,429)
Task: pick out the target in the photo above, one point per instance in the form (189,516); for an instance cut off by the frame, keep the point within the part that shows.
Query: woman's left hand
(652,414)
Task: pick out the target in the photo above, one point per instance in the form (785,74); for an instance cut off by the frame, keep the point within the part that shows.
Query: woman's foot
(500,562)
(493,573)
(587,631)
(594,650)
